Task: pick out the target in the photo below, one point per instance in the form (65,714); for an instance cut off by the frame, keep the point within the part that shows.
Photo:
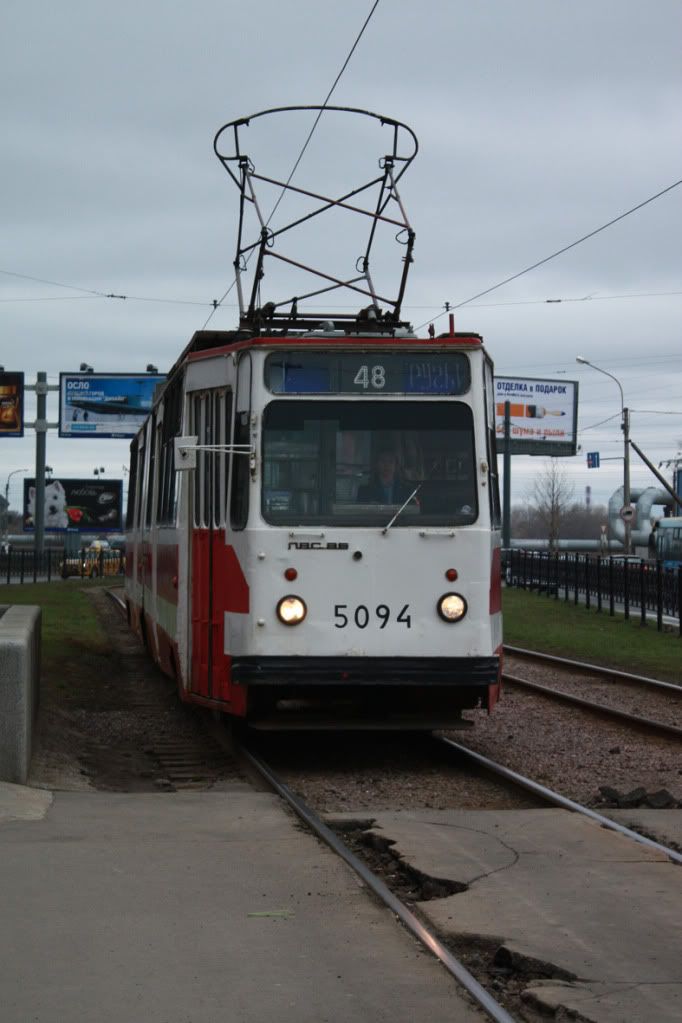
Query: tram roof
(205,343)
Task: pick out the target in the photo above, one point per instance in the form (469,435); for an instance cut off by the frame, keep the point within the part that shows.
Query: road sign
(627,513)
(592,459)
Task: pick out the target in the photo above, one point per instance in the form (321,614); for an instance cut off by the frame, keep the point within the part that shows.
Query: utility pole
(626,475)
(40,427)
(627,511)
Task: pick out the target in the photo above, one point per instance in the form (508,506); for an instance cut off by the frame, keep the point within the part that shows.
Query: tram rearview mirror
(185,450)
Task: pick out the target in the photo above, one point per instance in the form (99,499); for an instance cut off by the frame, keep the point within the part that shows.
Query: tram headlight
(452,607)
(291,610)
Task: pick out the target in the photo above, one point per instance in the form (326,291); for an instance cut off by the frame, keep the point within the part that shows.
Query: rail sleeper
(19,688)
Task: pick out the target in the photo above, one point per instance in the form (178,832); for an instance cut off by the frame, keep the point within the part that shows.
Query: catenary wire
(559,252)
(90,293)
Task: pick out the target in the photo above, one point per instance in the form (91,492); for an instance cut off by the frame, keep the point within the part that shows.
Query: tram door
(210,416)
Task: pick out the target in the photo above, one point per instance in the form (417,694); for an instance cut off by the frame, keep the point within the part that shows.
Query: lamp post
(625,427)
(13,473)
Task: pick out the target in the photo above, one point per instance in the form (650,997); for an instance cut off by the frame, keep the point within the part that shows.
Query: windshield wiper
(403,506)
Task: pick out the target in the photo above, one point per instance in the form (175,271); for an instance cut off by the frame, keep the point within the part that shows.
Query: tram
(313,524)
(668,539)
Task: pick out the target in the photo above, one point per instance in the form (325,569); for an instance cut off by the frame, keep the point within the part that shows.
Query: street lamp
(625,427)
(13,473)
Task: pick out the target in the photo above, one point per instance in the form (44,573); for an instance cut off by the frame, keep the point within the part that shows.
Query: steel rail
(623,676)
(596,708)
(486,1001)
(120,603)
(557,799)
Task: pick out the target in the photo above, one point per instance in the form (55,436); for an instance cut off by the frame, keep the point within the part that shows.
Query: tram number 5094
(361,616)
(370,377)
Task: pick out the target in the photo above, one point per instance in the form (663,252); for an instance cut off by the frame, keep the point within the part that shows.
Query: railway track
(573,677)
(596,669)
(416,926)
(410,917)
(381,882)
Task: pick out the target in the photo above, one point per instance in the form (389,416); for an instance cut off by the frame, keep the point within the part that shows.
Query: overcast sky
(537,122)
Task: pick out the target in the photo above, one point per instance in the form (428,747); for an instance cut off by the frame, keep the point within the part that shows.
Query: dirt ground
(112,721)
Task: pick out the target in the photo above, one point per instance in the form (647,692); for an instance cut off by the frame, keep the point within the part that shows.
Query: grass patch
(555,627)
(71,631)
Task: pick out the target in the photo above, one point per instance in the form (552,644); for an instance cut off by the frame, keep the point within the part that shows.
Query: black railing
(627,584)
(23,565)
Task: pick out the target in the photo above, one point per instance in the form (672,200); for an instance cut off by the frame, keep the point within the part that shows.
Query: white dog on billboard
(55,506)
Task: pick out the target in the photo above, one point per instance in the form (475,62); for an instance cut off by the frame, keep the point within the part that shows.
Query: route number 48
(371,376)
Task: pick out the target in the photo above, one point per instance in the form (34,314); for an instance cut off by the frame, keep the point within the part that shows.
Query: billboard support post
(40,427)
(506,495)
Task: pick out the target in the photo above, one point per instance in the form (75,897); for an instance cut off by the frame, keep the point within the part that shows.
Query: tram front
(371,538)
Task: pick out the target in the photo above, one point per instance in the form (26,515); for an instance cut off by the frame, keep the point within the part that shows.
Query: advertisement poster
(91,506)
(104,404)
(543,415)
(11,404)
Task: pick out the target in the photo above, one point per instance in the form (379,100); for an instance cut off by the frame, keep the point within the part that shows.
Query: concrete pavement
(556,888)
(195,908)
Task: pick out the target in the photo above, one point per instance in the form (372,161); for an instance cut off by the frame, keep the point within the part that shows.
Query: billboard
(11,404)
(91,506)
(543,415)
(104,404)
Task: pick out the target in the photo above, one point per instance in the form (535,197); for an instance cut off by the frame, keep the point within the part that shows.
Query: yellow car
(96,560)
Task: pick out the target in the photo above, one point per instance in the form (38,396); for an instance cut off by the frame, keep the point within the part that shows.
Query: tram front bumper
(365,671)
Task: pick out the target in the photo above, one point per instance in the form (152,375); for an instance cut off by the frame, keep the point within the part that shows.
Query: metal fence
(631,585)
(24,565)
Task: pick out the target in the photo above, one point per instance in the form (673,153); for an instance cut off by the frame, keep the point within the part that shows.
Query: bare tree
(551,496)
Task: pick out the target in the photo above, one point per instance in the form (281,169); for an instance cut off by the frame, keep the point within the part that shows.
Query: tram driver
(386,484)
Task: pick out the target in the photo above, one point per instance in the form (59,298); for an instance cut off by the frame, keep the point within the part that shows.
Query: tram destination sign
(367,373)
(104,404)
(543,415)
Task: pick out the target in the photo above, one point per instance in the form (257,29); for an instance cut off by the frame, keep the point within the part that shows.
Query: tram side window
(199,430)
(491,444)
(239,504)
(211,414)
(152,469)
(132,485)
(222,417)
(170,429)
(139,487)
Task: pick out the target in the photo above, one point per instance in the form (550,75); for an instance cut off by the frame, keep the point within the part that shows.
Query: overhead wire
(559,252)
(55,284)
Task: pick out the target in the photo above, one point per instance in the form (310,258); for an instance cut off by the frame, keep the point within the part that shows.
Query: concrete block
(19,688)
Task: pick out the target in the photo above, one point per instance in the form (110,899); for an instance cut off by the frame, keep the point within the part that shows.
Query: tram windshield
(356,463)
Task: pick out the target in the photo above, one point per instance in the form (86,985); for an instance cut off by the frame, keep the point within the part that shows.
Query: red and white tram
(285,578)
(313,519)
